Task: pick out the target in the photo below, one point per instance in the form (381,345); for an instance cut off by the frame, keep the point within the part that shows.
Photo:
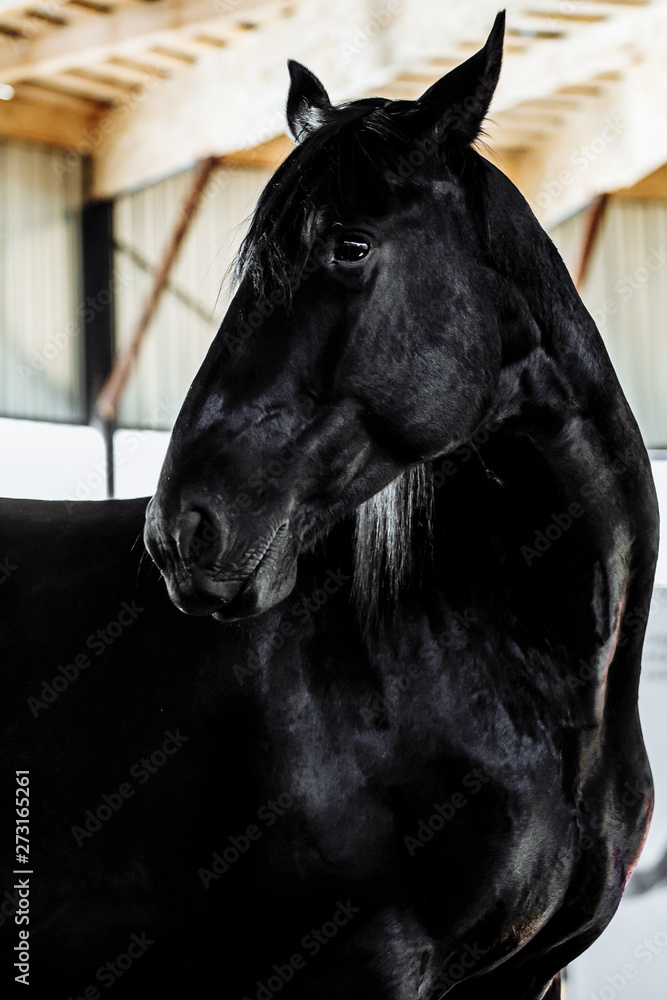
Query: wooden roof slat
(575,16)
(538,117)
(134,28)
(151,67)
(124,73)
(83,13)
(82,86)
(534,32)
(210,40)
(17,28)
(179,53)
(98,7)
(512,135)
(106,78)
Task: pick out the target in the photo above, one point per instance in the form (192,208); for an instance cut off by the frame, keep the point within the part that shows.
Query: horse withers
(393,748)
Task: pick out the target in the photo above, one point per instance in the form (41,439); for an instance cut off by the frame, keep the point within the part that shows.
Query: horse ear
(307,102)
(457,104)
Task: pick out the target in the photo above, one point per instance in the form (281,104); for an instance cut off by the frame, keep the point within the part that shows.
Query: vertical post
(98,315)
(108,428)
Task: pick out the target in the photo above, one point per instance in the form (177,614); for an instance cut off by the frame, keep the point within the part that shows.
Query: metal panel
(193,305)
(626,293)
(40,315)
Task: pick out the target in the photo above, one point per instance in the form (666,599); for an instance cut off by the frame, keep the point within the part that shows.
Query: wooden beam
(109,398)
(596,216)
(127,31)
(267,156)
(650,188)
(88,88)
(611,142)
(181,121)
(34,115)
(223,104)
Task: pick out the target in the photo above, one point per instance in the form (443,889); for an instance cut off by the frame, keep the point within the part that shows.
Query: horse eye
(351,249)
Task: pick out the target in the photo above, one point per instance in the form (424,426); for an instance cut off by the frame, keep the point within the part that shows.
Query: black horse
(397,750)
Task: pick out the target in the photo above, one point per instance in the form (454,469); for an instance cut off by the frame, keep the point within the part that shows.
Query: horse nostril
(198,537)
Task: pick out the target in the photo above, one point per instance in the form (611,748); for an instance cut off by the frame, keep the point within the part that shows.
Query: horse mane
(393,543)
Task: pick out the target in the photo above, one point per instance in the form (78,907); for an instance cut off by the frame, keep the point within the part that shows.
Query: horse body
(420,799)
(412,515)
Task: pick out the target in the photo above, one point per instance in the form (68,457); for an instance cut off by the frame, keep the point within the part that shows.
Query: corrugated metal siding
(40,203)
(180,335)
(626,293)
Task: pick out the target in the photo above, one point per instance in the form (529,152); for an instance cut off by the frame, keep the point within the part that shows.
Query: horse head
(363,339)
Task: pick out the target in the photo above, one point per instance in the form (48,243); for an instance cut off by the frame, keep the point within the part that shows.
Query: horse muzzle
(210,570)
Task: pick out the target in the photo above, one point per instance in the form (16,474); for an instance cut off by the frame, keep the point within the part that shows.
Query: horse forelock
(350,161)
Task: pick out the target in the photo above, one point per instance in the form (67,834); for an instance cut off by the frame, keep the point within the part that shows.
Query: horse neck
(574,482)
(558,389)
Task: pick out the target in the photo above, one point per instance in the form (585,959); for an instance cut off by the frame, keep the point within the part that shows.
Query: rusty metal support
(597,213)
(112,390)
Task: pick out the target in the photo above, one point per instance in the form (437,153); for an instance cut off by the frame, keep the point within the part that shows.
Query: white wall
(626,293)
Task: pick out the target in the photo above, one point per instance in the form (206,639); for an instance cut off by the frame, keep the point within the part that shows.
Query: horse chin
(261,592)
(266,586)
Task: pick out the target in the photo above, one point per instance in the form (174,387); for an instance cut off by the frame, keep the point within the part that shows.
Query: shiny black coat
(395,749)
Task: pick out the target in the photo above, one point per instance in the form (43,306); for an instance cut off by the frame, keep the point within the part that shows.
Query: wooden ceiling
(146,87)
(70,62)
(107,51)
